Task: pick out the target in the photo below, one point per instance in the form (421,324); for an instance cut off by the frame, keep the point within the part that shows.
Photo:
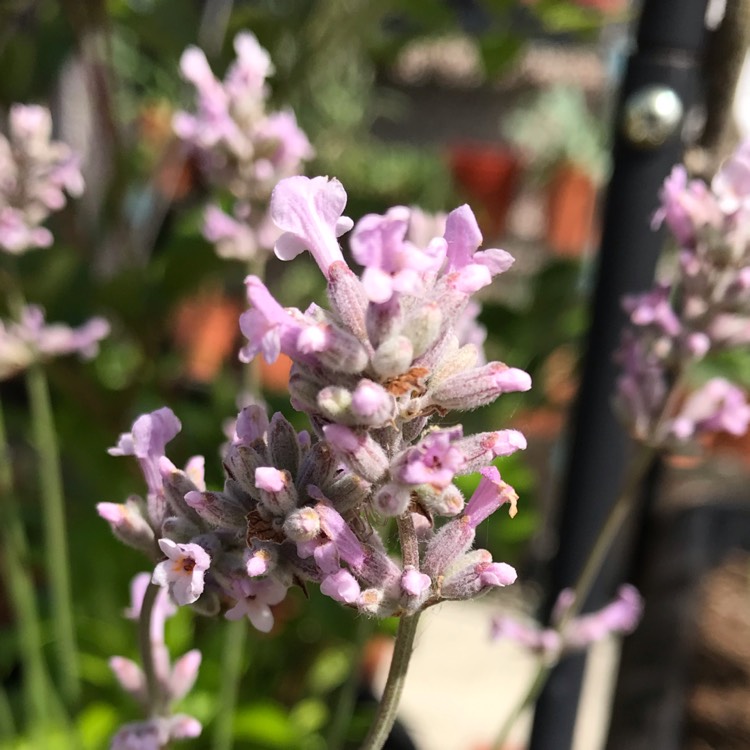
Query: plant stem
(394,686)
(56,548)
(232,668)
(21,591)
(344,709)
(7,725)
(146,647)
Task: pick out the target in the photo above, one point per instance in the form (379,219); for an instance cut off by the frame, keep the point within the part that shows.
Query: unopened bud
(480,386)
(217,509)
(335,403)
(392,499)
(277,491)
(362,454)
(393,357)
(283,444)
(423,327)
(129,525)
(302,525)
(348,299)
(372,404)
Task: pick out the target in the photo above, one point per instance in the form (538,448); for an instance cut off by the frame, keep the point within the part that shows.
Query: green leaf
(309,715)
(329,670)
(266,725)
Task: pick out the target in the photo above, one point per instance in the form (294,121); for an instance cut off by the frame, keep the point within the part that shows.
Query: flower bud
(362,454)
(348,299)
(446,502)
(474,574)
(240,463)
(335,403)
(372,404)
(283,444)
(318,467)
(334,347)
(393,357)
(423,327)
(341,586)
(260,560)
(217,509)
(392,499)
(348,492)
(277,491)
(179,528)
(480,386)
(302,525)
(129,525)
(384,320)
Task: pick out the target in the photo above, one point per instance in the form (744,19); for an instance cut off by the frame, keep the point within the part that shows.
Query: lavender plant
(700,310)
(371,373)
(37,173)
(241,147)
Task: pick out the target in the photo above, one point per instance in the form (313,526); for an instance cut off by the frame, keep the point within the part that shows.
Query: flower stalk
(394,686)
(21,591)
(233,666)
(55,534)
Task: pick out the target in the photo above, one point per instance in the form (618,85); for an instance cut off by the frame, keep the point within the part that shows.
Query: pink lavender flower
(37,173)
(619,616)
(435,460)
(255,602)
(705,309)
(391,263)
(183,570)
(232,238)
(32,340)
(154,734)
(147,442)
(309,212)
(718,406)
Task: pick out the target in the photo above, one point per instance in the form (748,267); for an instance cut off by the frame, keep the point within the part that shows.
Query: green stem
(7,724)
(344,710)
(394,686)
(153,688)
(56,547)
(233,664)
(21,590)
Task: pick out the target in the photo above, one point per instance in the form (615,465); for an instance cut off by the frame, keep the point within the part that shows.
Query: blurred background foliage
(131,250)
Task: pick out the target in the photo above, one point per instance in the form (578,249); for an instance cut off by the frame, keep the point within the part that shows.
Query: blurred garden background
(506,105)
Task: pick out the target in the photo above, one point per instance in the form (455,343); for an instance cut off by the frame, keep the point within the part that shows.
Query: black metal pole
(670,40)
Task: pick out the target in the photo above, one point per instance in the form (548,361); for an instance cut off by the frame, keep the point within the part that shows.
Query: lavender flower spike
(309,212)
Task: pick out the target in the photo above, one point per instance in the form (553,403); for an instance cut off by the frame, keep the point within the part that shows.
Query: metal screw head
(651,115)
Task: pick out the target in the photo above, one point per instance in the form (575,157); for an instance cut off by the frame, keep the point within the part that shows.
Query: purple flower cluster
(619,616)
(31,340)
(240,145)
(36,173)
(370,373)
(705,308)
(174,681)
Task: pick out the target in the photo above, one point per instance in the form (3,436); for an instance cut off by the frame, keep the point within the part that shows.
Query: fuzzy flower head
(31,340)
(183,571)
(37,174)
(704,309)
(240,145)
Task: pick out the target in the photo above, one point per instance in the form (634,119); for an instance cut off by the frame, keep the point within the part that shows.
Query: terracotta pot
(205,329)
(571,205)
(488,174)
